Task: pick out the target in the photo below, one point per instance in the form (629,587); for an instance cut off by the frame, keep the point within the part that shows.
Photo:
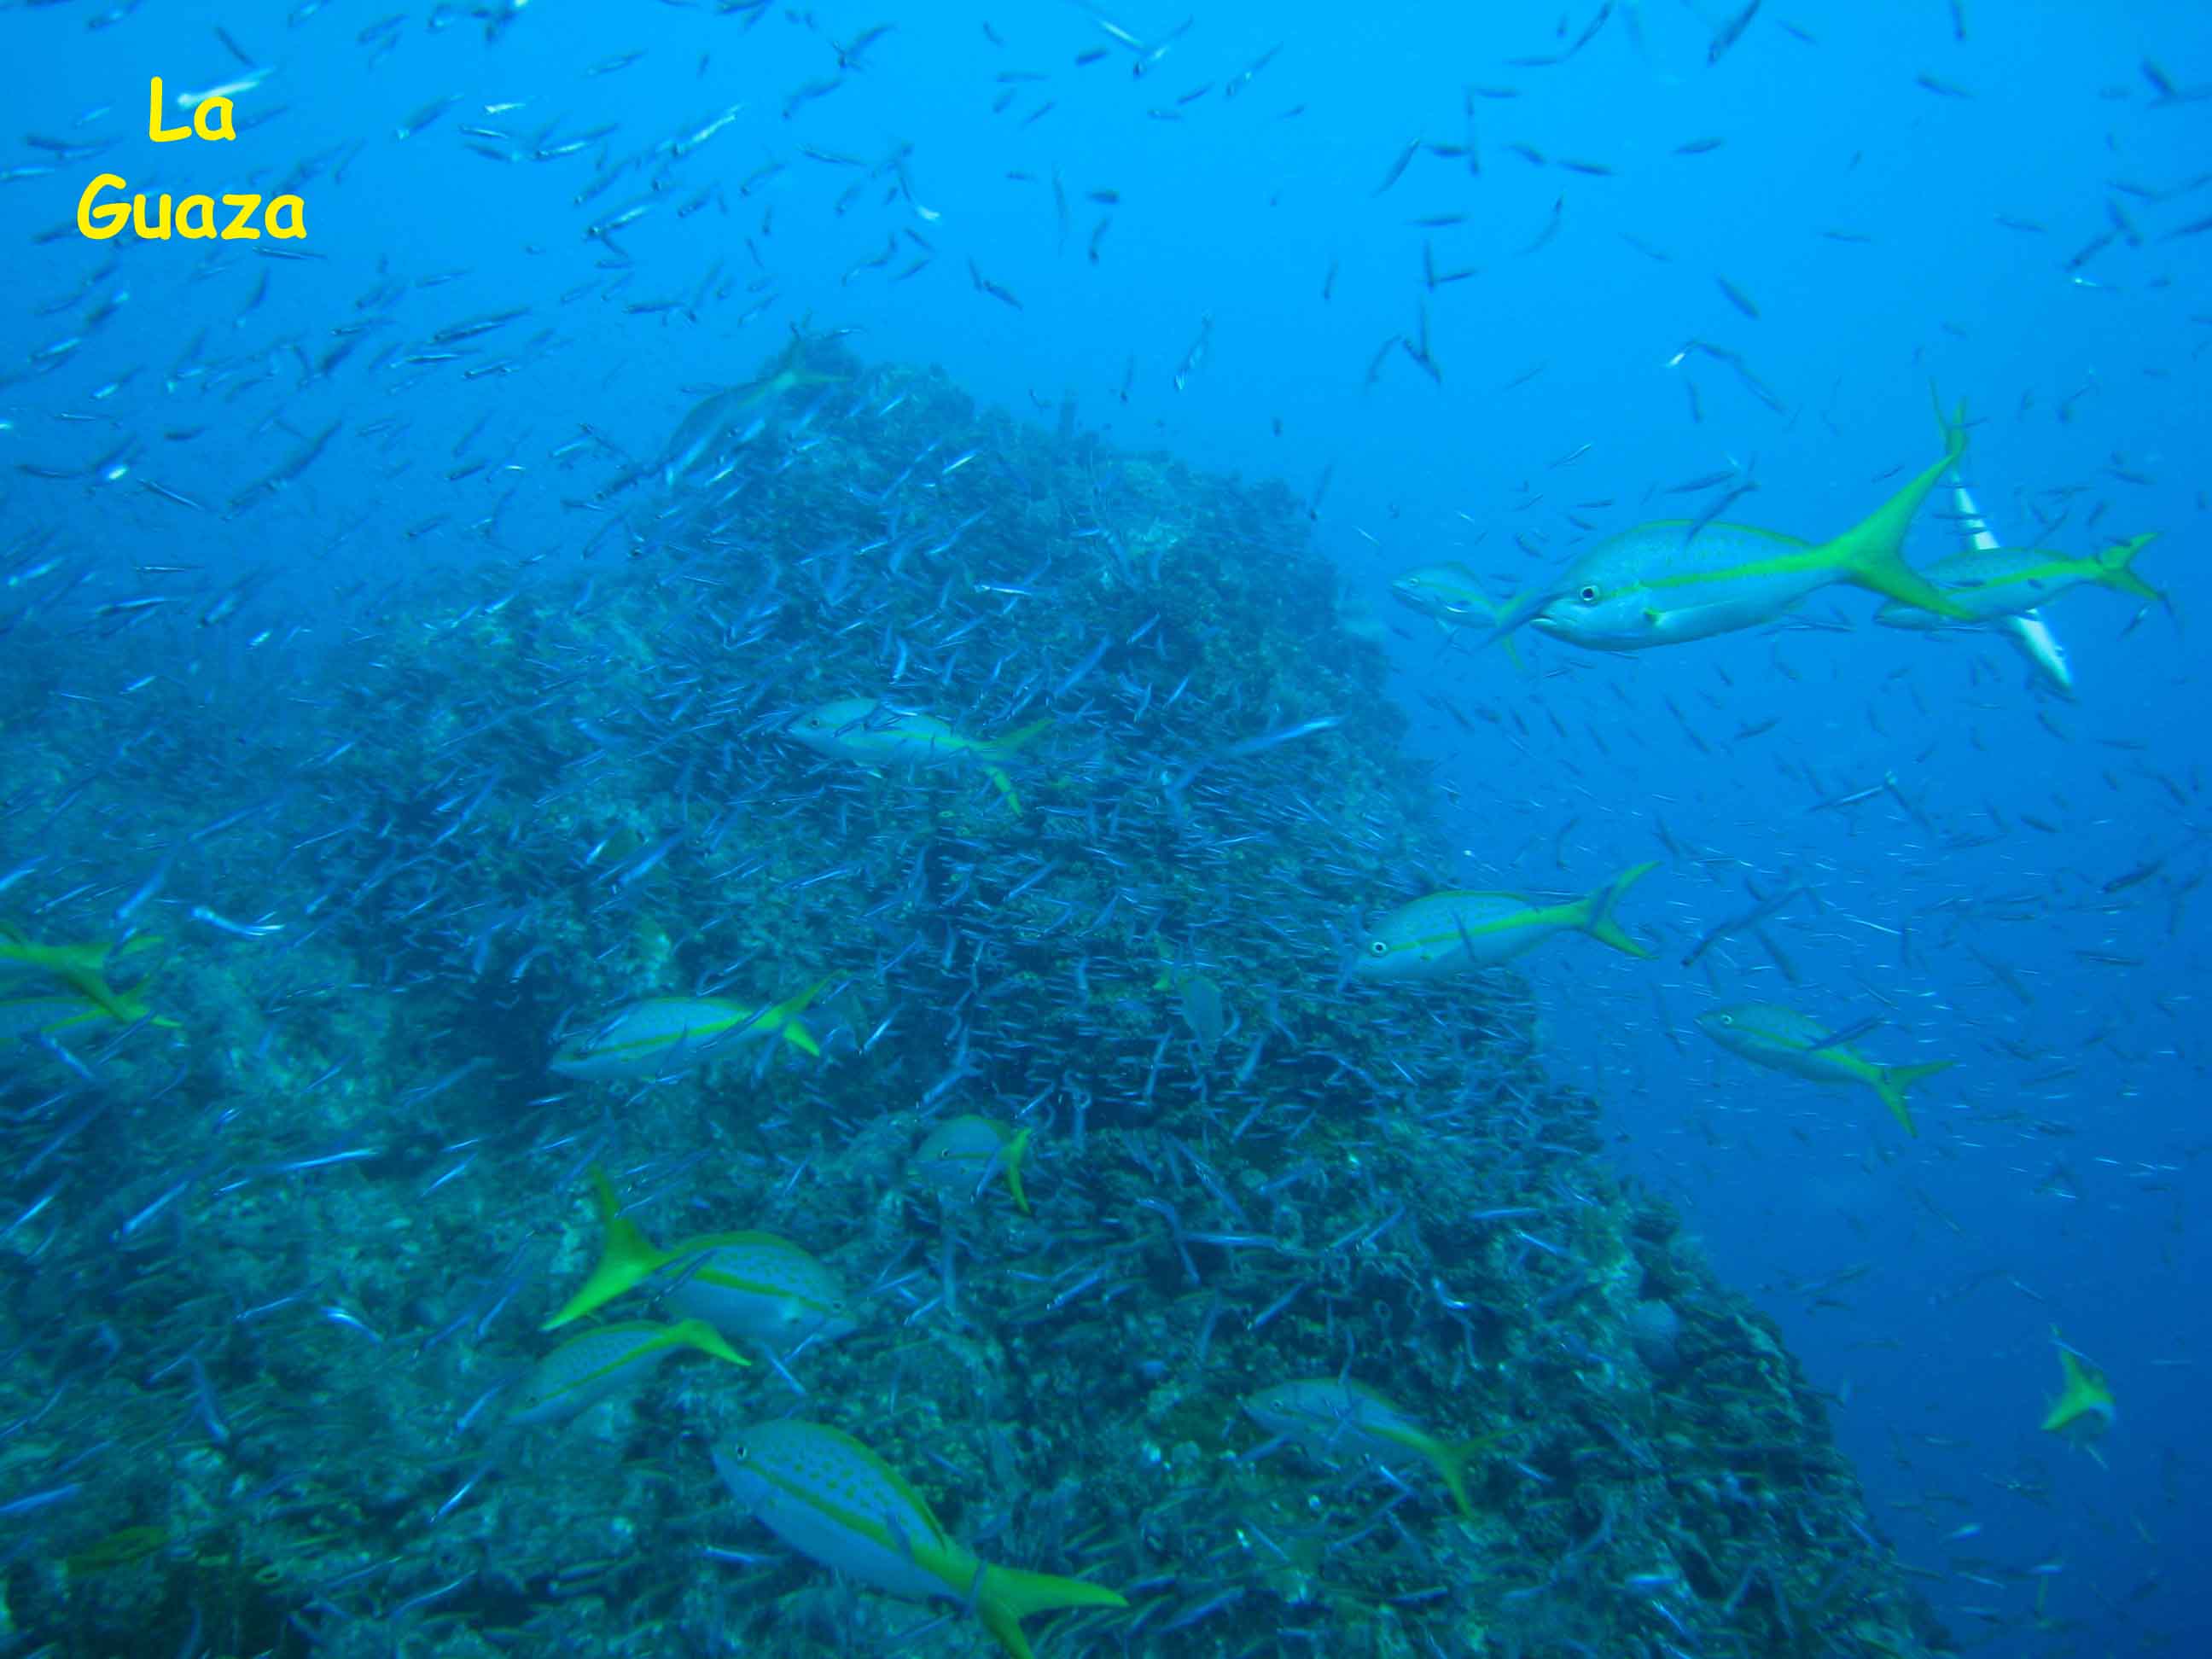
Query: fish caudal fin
(626,1258)
(1518,610)
(1004,785)
(1011,1155)
(1006,748)
(1010,1596)
(1594,913)
(1451,1458)
(2115,569)
(1891,1082)
(1871,554)
(698,1333)
(788,1012)
(1022,737)
(2084,1406)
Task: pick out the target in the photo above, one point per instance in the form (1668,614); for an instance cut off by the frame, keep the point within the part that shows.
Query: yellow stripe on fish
(754,1287)
(830,1498)
(876,733)
(1784,1040)
(1452,932)
(587,1369)
(957,1157)
(1334,1418)
(1680,579)
(1997,582)
(663,1036)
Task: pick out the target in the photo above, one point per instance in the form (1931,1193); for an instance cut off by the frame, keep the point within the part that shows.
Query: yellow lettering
(154,129)
(201,119)
(195,218)
(299,216)
(159,230)
(241,227)
(105,219)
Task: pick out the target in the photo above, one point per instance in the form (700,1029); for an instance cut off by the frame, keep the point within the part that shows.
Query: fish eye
(944,1154)
(1589,595)
(737,1452)
(1725,1019)
(1378,947)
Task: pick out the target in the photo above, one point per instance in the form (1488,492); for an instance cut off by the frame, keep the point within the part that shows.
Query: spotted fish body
(604,1361)
(759,1287)
(957,1157)
(1452,932)
(751,1287)
(832,1499)
(1334,1420)
(1785,1039)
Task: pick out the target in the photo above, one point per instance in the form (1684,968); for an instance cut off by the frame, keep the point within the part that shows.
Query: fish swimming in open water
(1676,580)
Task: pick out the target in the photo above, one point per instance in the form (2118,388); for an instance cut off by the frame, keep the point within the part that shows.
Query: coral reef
(267,1277)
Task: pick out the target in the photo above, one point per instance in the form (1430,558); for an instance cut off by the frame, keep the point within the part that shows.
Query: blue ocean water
(1478,289)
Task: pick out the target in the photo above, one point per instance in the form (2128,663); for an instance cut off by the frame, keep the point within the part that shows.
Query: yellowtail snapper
(755,1287)
(1999,582)
(1675,580)
(832,1499)
(1784,1040)
(663,1036)
(958,1157)
(1451,933)
(878,734)
(604,1361)
(1334,1420)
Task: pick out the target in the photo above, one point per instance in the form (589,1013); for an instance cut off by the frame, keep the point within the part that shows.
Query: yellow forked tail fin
(1891,1082)
(1010,1596)
(1595,911)
(627,1258)
(1006,748)
(2116,568)
(788,1012)
(1011,1156)
(1871,554)
(1451,1458)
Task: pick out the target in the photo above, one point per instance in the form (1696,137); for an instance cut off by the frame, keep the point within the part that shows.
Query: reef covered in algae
(272,1276)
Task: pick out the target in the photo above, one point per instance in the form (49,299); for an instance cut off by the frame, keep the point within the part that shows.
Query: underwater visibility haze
(1096,830)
